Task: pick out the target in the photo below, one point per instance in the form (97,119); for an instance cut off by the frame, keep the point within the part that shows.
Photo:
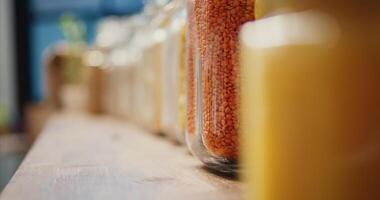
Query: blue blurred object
(45,28)
(43,7)
(121,7)
(89,7)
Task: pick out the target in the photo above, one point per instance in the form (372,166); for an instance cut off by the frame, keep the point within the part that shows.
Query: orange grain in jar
(217,26)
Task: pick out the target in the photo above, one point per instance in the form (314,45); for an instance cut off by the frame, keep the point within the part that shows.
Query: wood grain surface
(82,157)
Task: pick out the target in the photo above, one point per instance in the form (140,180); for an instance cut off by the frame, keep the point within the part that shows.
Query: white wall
(7,67)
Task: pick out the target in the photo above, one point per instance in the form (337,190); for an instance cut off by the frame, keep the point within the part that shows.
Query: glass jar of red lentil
(213,65)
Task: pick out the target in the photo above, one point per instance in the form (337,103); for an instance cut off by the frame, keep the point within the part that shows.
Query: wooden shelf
(82,157)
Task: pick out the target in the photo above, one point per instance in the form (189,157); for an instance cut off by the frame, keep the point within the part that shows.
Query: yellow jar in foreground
(310,94)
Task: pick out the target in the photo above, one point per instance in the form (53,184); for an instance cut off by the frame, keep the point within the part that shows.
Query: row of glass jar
(298,93)
(142,62)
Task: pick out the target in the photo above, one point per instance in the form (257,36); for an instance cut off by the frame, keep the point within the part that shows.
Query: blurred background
(28,28)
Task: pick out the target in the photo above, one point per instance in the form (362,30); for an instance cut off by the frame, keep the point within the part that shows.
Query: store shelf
(82,157)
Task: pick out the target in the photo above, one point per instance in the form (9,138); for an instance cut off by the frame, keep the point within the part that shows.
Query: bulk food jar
(311,102)
(213,66)
(148,90)
(119,72)
(173,80)
(134,56)
(110,34)
(150,72)
(123,67)
(94,60)
(54,64)
(132,65)
(152,65)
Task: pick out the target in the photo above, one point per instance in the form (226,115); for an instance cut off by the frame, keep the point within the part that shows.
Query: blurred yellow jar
(310,94)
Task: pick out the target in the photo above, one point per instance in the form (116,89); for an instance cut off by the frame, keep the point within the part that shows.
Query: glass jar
(172,117)
(151,76)
(54,76)
(118,67)
(104,72)
(139,92)
(94,60)
(216,27)
(133,66)
(123,74)
(311,98)
(145,50)
(153,64)
(181,119)
(191,94)
(112,99)
(134,62)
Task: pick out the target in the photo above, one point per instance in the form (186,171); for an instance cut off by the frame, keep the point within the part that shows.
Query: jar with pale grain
(152,68)
(172,115)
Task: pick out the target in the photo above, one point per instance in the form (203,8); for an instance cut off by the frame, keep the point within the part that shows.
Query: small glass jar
(133,55)
(215,26)
(151,69)
(133,66)
(120,63)
(54,69)
(311,98)
(111,92)
(172,117)
(151,76)
(104,71)
(122,76)
(96,82)
(191,94)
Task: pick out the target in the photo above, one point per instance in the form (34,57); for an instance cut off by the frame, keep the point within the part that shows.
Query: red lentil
(217,25)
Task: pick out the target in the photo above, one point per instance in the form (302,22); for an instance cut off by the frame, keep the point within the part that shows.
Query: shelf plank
(82,157)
